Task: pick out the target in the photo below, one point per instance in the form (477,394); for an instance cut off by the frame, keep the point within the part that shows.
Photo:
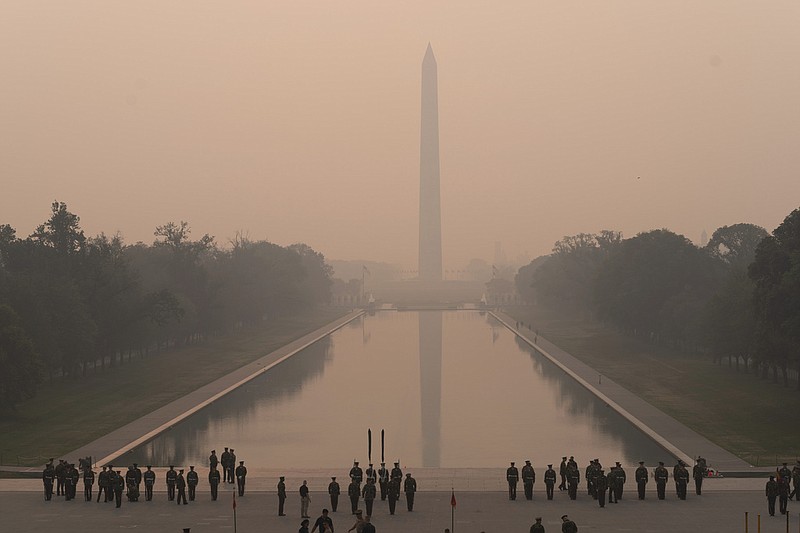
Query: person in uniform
(180,484)
(305,499)
(48,476)
(537,527)
(356,474)
(641,477)
(549,481)
(772,494)
(359,525)
(410,487)
(783,493)
(130,482)
(241,477)
(383,480)
(621,479)
(74,477)
(528,479)
(354,492)
(232,467)
(393,493)
(213,460)
(149,482)
(119,485)
(512,476)
(681,477)
(562,470)
(60,477)
(368,527)
(171,478)
(192,480)
(214,479)
(784,472)
(371,473)
(225,460)
(795,481)
(698,473)
(573,479)
(112,484)
(102,484)
(662,476)
(612,478)
(137,472)
(333,492)
(281,495)
(369,493)
(592,471)
(397,473)
(567,525)
(600,487)
(324,523)
(88,481)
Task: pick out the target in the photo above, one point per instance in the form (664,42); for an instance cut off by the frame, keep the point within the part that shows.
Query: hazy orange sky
(299,120)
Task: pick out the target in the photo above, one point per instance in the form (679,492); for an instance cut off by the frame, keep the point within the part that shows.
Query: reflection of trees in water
(576,401)
(187,441)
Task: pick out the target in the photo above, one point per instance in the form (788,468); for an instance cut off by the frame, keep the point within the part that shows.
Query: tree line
(70,303)
(737,297)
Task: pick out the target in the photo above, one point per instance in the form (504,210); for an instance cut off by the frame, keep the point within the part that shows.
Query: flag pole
(234,511)
(452,510)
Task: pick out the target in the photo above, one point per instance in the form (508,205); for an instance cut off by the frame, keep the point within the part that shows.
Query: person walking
(562,470)
(354,492)
(241,477)
(180,484)
(305,499)
(393,493)
(102,484)
(369,494)
(410,488)
(333,491)
(772,494)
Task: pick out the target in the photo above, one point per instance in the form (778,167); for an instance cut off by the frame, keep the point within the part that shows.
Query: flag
(453,499)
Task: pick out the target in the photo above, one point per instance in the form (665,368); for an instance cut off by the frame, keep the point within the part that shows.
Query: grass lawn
(66,414)
(751,417)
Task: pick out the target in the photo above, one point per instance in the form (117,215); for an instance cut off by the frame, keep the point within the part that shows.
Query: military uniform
(180,484)
(662,476)
(699,471)
(225,460)
(621,479)
(172,477)
(397,473)
(600,487)
(512,476)
(796,481)
(528,479)
(232,467)
(130,482)
(281,496)
(356,474)
(214,480)
(111,489)
(48,476)
(538,527)
(393,493)
(333,492)
(72,481)
(562,471)
(549,481)
(783,493)
(88,481)
(354,492)
(192,480)
(372,474)
(410,488)
(119,486)
(241,477)
(60,477)
(573,479)
(641,476)
(213,460)
(681,477)
(369,493)
(383,480)
(137,473)
(772,494)
(149,482)
(568,526)
(102,484)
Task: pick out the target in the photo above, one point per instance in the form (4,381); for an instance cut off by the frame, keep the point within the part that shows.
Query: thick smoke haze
(299,120)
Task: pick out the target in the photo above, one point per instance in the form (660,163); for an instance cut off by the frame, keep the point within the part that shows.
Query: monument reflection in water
(451,389)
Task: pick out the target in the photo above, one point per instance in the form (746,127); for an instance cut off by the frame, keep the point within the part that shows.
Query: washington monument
(430,218)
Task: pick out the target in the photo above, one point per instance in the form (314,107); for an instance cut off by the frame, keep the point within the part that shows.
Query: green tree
(736,245)
(19,360)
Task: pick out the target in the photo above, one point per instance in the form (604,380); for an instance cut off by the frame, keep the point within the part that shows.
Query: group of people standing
(599,483)
(778,487)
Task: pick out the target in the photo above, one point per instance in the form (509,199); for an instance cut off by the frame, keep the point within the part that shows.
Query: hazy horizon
(299,121)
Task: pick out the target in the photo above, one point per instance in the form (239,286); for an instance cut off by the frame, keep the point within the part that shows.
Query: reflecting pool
(450,388)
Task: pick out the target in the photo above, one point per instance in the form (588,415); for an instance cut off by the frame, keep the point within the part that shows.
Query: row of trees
(69,303)
(737,297)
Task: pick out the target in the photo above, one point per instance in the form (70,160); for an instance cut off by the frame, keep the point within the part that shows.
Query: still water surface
(451,389)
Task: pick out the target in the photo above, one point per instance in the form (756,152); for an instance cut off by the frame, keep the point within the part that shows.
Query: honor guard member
(48,476)
(383,480)
(60,477)
(354,492)
(281,495)
(241,477)
(396,473)
(192,480)
(611,480)
(600,487)
(783,493)
(119,486)
(698,473)
(180,484)
(795,481)
(772,494)
(137,472)
(73,478)
(662,476)
(88,481)
(371,474)
(232,467)
(681,477)
(112,484)
(393,493)
(621,479)
(538,527)
(573,480)
(567,525)
(369,493)
(214,480)
(102,484)
(528,479)
(356,474)
(149,482)
(512,476)
(592,472)
(213,460)
(333,491)
(172,478)
(225,459)
(410,487)
(784,472)
(562,470)
(549,481)
(641,477)
(305,499)
(130,482)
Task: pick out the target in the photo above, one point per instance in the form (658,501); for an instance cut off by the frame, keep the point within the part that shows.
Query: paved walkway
(676,438)
(114,444)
